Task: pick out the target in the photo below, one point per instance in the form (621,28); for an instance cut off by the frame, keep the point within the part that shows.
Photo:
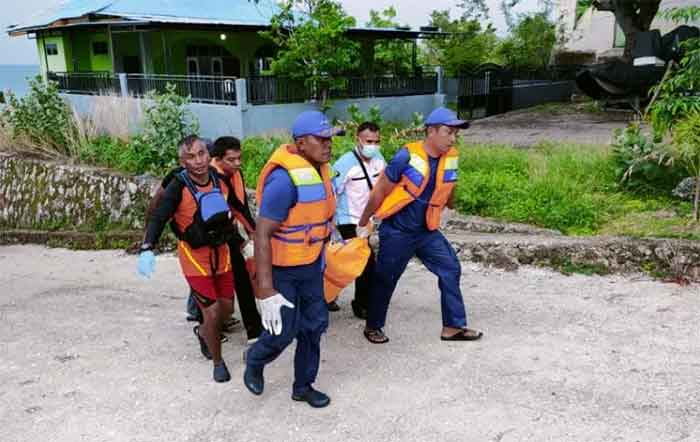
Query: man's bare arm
(381,190)
(263,256)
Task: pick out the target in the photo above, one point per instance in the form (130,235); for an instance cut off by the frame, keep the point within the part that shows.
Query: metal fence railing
(270,90)
(492,89)
(87,83)
(260,90)
(200,88)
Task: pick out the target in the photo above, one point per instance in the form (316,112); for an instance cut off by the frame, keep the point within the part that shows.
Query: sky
(20,50)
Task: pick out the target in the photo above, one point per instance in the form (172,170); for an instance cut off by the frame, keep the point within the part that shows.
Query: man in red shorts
(196,202)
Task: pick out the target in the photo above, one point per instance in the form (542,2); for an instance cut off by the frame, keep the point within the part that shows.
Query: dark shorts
(208,289)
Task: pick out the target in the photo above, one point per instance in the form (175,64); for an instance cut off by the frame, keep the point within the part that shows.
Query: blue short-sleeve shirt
(412,217)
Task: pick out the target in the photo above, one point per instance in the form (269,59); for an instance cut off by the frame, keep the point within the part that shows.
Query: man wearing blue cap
(409,197)
(297,205)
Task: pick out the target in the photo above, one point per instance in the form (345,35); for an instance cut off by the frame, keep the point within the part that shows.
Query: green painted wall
(81,52)
(56,63)
(100,62)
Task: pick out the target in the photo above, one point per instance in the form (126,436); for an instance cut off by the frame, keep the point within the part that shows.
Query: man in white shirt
(356,173)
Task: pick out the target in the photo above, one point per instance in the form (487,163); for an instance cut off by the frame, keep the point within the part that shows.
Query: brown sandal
(376,336)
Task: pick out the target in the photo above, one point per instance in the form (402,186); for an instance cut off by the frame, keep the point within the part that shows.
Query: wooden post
(110,47)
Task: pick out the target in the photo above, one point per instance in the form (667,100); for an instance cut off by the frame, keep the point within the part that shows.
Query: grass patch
(569,268)
(570,188)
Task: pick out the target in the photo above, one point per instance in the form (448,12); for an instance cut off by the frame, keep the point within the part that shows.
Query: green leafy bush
(166,122)
(637,165)
(42,117)
(105,151)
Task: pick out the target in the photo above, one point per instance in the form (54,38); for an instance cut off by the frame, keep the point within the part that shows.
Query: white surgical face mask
(370,150)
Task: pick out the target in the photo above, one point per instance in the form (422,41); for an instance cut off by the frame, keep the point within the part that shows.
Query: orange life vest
(301,237)
(415,179)
(198,262)
(235,181)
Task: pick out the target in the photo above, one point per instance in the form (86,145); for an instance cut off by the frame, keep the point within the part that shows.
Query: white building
(596,32)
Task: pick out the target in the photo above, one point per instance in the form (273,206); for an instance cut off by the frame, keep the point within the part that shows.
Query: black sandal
(202,345)
(466,334)
(376,336)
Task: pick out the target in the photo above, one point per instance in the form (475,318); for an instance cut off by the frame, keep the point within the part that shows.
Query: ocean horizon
(15,77)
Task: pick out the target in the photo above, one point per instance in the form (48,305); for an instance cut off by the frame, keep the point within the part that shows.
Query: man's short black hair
(186,143)
(368,125)
(222,144)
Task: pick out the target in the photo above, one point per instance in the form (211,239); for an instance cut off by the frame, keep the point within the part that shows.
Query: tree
(676,96)
(467,46)
(390,56)
(530,44)
(582,6)
(314,46)
(632,15)
(685,151)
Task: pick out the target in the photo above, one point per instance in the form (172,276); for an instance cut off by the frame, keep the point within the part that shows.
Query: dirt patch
(86,357)
(570,123)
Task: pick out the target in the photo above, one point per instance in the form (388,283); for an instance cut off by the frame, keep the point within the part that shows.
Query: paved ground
(92,353)
(564,123)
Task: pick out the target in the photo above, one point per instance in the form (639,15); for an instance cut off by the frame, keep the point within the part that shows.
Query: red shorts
(219,286)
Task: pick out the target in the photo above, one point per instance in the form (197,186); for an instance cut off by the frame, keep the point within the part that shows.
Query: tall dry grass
(109,117)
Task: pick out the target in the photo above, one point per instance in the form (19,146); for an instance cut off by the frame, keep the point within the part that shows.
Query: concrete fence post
(123,85)
(242,93)
(242,105)
(440,80)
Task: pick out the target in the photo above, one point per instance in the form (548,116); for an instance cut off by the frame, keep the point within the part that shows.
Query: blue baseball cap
(445,117)
(314,123)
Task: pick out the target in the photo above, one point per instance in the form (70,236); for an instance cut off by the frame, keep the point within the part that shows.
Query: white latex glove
(363,231)
(248,250)
(271,312)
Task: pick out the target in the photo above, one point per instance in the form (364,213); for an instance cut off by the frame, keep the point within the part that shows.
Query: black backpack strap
(188,183)
(364,170)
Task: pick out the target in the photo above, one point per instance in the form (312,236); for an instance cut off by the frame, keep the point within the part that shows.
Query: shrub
(41,117)
(638,167)
(105,151)
(685,152)
(166,122)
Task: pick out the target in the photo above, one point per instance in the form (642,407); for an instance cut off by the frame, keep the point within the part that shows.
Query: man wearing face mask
(357,172)
(417,184)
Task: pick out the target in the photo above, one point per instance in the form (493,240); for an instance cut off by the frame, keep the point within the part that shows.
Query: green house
(88,42)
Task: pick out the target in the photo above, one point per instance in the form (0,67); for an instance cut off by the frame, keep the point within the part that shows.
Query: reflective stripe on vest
(415,179)
(301,237)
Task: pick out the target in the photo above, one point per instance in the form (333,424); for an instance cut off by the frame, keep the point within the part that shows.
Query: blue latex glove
(147,264)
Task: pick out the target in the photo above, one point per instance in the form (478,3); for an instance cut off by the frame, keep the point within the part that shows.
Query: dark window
(131,64)
(100,48)
(51,49)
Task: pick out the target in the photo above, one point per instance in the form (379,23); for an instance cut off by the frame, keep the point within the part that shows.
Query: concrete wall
(274,118)
(216,120)
(248,120)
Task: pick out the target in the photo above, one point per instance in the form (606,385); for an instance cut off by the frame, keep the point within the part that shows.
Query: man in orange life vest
(297,205)
(409,197)
(196,200)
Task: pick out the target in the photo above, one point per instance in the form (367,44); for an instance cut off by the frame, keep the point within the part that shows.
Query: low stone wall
(51,195)
(83,207)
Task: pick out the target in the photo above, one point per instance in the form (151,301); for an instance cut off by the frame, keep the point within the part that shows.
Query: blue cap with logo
(445,117)
(314,123)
